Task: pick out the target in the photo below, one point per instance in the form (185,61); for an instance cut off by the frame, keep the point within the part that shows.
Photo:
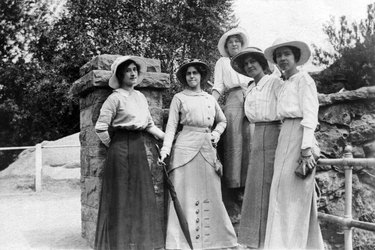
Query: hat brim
(181,73)
(237,60)
(304,48)
(114,81)
(223,39)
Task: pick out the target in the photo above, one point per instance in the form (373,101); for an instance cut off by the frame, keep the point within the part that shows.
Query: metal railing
(38,159)
(348,223)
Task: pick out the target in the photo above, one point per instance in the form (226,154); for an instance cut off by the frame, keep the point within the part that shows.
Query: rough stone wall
(92,89)
(347,118)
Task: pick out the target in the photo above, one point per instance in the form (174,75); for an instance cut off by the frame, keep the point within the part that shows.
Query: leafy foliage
(353,56)
(42,53)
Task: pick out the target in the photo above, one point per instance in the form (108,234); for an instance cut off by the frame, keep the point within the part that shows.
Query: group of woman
(269,127)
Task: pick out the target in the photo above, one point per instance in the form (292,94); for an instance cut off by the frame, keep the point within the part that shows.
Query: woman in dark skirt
(127,217)
(260,109)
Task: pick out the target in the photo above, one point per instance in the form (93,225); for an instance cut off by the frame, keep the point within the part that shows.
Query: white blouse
(123,109)
(298,98)
(226,77)
(261,99)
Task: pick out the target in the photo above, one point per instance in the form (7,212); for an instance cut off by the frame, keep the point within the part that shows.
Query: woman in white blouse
(292,217)
(194,169)
(127,217)
(236,139)
(260,109)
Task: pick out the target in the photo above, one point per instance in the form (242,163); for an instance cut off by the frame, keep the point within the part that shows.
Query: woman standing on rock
(260,109)
(292,217)
(127,216)
(236,139)
(194,169)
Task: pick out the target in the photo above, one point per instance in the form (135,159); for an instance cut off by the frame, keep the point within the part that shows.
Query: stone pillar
(92,89)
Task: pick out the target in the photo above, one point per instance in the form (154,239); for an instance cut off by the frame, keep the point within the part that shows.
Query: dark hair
(257,57)
(236,36)
(296,52)
(121,69)
(202,71)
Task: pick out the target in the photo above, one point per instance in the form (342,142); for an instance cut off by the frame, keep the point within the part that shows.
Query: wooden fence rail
(38,159)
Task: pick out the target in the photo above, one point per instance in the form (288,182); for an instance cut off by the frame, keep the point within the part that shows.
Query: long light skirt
(254,212)
(236,141)
(292,216)
(198,190)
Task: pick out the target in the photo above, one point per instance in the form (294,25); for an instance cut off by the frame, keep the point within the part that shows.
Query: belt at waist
(197,129)
(268,123)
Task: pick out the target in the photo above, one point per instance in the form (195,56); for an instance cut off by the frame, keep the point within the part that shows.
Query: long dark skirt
(254,212)
(128,216)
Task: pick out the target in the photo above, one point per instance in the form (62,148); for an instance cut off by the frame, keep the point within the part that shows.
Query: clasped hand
(215,137)
(307,158)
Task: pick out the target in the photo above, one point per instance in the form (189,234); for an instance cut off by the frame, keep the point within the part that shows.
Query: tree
(354,53)
(34,83)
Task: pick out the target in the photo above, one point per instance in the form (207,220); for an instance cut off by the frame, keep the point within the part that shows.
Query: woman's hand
(215,137)
(307,158)
(162,158)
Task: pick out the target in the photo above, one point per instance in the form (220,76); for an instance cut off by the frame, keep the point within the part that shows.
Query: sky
(266,20)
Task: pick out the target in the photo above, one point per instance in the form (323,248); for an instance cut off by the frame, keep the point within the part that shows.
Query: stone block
(87,83)
(358,94)
(99,79)
(91,191)
(85,117)
(154,97)
(363,130)
(85,164)
(105,61)
(89,214)
(155,80)
(97,165)
(88,137)
(88,232)
(99,95)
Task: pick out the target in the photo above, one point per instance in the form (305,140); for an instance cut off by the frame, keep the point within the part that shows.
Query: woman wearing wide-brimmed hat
(236,139)
(260,109)
(194,168)
(127,217)
(292,216)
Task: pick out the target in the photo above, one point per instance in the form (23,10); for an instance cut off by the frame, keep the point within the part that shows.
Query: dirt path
(46,220)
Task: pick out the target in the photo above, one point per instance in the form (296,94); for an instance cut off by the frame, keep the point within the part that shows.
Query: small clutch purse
(302,170)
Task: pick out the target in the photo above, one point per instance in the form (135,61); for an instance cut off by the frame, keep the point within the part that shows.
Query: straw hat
(114,81)
(237,61)
(205,74)
(281,42)
(232,32)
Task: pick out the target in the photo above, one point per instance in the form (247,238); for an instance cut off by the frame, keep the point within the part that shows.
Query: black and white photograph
(187,124)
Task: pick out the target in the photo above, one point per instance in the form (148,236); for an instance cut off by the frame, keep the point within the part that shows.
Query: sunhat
(232,32)
(181,72)
(114,82)
(281,42)
(237,61)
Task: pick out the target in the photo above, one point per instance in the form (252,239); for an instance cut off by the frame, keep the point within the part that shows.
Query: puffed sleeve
(172,124)
(218,77)
(221,120)
(106,116)
(310,107)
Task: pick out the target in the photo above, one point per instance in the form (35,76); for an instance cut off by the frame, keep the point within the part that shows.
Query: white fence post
(348,232)
(38,167)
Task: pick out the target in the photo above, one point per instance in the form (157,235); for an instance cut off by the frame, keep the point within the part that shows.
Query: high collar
(259,85)
(124,92)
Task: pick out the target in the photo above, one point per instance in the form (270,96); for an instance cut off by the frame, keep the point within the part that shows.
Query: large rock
(347,118)
(57,163)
